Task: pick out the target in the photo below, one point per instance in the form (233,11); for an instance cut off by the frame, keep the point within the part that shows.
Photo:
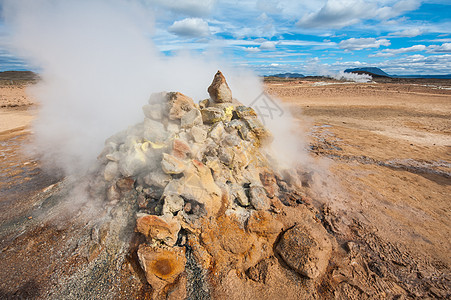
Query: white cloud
(392,52)
(268,45)
(362,43)
(190,27)
(444,48)
(252,49)
(336,14)
(193,8)
(411,32)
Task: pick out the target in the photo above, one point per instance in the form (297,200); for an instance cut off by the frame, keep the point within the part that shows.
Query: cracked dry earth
(383,205)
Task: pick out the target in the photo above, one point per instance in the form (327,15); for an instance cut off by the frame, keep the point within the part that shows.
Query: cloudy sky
(309,37)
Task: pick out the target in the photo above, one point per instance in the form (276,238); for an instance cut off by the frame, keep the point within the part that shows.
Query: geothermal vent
(211,209)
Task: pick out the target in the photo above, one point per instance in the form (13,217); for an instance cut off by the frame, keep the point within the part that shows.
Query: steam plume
(99,67)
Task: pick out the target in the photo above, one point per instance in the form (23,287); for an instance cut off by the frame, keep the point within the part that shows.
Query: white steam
(344,76)
(99,67)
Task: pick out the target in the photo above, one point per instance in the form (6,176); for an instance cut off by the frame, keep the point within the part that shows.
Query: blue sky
(310,37)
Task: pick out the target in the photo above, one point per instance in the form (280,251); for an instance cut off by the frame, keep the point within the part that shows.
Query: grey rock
(258,198)
(191,118)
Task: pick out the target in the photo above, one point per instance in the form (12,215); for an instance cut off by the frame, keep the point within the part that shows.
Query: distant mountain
(19,75)
(373,71)
(287,75)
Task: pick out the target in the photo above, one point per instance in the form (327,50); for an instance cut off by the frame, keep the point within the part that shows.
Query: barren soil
(385,196)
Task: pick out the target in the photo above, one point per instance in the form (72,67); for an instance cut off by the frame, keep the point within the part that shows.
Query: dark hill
(287,75)
(373,71)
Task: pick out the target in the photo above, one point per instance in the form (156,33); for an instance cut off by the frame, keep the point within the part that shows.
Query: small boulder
(191,118)
(244,112)
(172,165)
(179,105)
(219,90)
(211,115)
(172,204)
(180,149)
(199,135)
(258,198)
(160,228)
(306,248)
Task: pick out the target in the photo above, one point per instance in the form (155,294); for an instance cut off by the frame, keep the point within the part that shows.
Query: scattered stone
(172,165)
(219,90)
(306,249)
(191,118)
(239,195)
(258,198)
(161,265)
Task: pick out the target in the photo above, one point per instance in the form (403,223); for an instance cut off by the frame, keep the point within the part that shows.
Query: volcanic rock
(164,229)
(172,165)
(258,198)
(179,105)
(244,112)
(211,115)
(306,249)
(191,118)
(180,149)
(161,265)
(199,135)
(219,90)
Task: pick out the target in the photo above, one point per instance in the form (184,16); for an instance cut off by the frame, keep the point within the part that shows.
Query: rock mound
(208,196)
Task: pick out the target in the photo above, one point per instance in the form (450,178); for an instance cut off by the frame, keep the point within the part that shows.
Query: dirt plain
(383,191)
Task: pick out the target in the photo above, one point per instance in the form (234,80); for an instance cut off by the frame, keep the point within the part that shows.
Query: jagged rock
(172,165)
(269,183)
(125,184)
(113,193)
(172,204)
(197,184)
(244,112)
(191,118)
(180,149)
(199,135)
(263,223)
(217,132)
(228,110)
(160,228)
(263,134)
(306,248)
(211,115)
(204,103)
(157,179)
(111,171)
(136,160)
(219,90)
(238,193)
(162,266)
(258,198)
(179,105)
(154,131)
